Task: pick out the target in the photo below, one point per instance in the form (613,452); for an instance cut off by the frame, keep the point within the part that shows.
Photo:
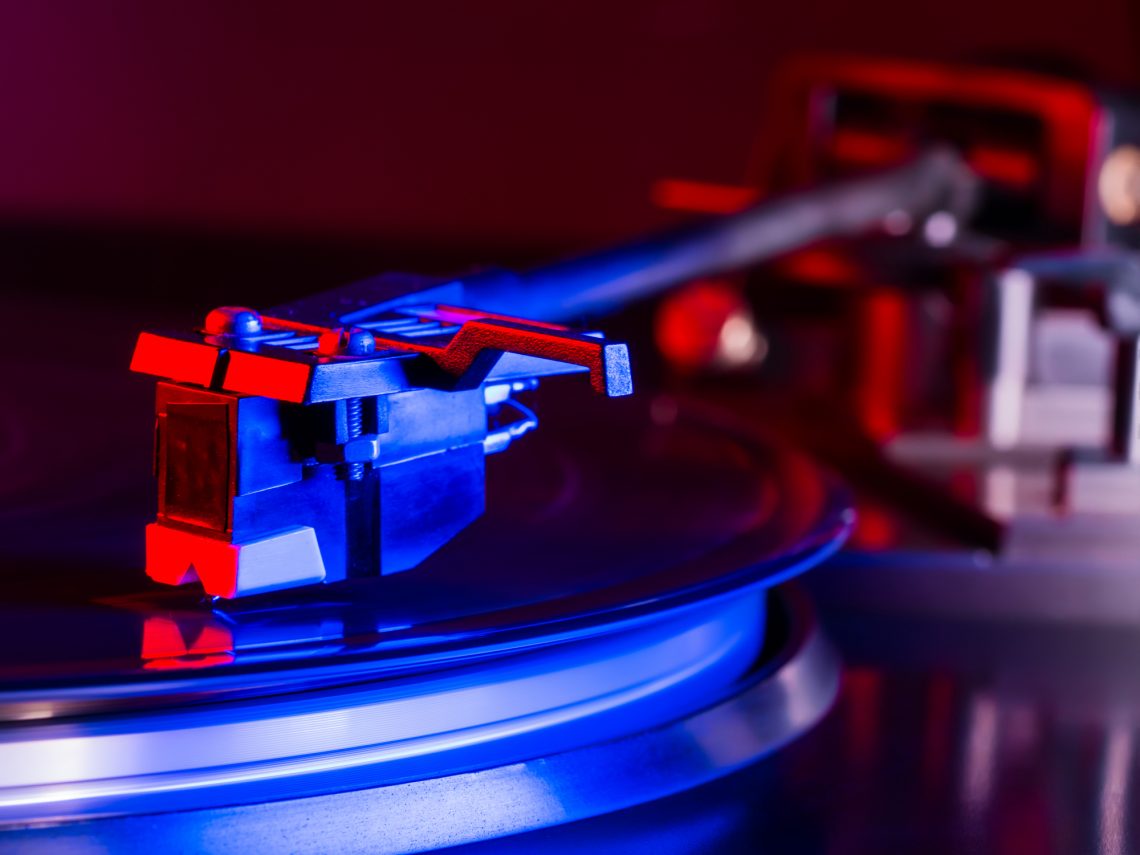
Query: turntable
(415,563)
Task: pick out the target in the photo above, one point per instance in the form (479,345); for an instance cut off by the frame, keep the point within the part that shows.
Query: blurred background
(337,138)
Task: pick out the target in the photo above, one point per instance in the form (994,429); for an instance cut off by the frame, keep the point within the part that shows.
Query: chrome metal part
(1012,302)
(757,711)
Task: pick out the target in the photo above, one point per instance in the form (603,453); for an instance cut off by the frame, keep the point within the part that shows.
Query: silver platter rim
(787,694)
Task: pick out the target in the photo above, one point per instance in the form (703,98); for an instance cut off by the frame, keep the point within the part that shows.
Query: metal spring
(354,427)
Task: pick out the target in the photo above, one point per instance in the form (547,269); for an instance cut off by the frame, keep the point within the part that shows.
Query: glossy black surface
(953,736)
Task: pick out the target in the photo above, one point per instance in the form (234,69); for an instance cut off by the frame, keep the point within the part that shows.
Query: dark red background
(506,123)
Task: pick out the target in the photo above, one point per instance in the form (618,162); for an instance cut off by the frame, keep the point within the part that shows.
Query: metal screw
(347,342)
(235,321)
(350,342)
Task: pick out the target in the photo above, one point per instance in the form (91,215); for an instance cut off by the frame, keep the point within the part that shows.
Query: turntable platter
(674,509)
(603,597)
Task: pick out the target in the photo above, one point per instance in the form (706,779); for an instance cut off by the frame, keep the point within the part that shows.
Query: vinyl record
(615,587)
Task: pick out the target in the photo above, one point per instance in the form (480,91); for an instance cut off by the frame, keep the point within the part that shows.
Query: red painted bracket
(471,352)
(466,357)
(475,347)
